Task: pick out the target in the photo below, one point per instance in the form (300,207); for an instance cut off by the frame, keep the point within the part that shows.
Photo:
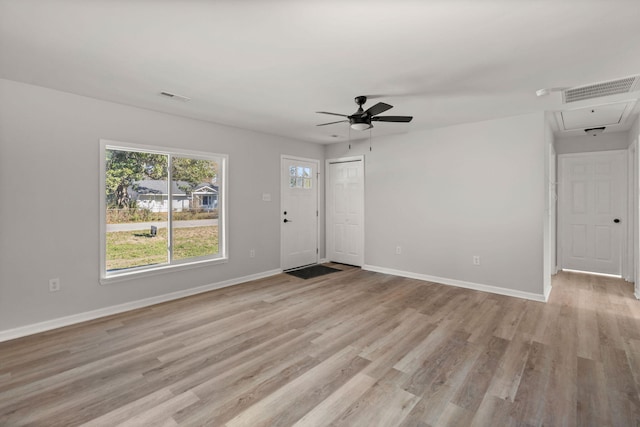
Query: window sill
(139,274)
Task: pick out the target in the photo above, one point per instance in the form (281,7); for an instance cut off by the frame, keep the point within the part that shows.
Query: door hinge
(317,213)
(317,251)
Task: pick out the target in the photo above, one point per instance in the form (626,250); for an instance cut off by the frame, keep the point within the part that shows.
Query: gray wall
(448,194)
(444,195)
(49,226)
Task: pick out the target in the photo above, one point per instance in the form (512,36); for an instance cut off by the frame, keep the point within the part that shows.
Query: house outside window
(161,208)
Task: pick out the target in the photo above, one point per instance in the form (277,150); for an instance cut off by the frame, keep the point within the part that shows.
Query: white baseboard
(323,261)
(637,294)
(35,328)
(459,283)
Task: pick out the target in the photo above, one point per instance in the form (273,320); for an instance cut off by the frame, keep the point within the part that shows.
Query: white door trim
(318,188)
(634,201)
(624,268)
(328,162)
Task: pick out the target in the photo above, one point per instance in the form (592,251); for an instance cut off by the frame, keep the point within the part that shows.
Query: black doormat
(312,271)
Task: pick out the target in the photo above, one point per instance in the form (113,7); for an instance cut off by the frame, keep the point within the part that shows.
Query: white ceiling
(269,65)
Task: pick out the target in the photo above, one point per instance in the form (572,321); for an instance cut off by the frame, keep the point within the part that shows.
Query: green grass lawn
(126,249)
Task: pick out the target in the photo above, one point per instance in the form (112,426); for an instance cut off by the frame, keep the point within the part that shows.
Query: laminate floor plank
(593,402)
(454,416)
(588,342)
(291,402)
(131,410)
(427,411)
(529,402)
(493,411)
(506,380)
(226,401)
(473,389)
(511,312)
(351,348)
(384,404)
(162,413)
(624,398)
(337,402)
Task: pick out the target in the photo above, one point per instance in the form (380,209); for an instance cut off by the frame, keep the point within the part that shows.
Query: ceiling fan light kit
(361,126)
(361,119)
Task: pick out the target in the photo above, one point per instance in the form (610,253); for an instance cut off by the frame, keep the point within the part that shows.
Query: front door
(345,210)
(592,210)
(299,212)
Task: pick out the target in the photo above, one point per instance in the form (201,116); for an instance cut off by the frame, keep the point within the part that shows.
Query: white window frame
(144,271)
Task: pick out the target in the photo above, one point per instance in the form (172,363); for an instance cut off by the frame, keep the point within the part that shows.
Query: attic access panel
(590,117)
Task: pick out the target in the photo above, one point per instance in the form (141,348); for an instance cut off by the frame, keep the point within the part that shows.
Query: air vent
(175,96)
(596,90)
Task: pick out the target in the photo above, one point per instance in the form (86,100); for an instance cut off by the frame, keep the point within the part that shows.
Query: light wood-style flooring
(353,348)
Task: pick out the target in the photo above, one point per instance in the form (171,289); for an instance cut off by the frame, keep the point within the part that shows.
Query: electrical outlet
(476,260)
(398,250)
(252,253)
(54,285)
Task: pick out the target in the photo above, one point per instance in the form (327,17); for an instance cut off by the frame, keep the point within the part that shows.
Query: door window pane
(300,177)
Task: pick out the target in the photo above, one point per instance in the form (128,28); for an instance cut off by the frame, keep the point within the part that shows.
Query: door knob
(287,220)
(617,220)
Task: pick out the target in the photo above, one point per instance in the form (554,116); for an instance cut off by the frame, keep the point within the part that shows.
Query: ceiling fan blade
(331,123)
(333,114)
(380,107)
(399,119)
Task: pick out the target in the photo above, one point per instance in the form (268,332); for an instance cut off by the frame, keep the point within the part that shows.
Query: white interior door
(299,215)
(592,200)
(345,210)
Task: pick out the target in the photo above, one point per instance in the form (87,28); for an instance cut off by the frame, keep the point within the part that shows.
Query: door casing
(283,160)
(329,215)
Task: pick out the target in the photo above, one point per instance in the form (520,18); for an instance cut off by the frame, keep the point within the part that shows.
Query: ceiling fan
(361,119)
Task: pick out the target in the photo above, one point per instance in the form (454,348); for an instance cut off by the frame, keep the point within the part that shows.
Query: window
(300,177)
(160,209)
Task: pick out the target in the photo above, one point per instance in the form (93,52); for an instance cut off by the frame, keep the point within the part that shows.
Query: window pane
(136,195)
(194,207)
(299,171)
(292,171)
(307,172)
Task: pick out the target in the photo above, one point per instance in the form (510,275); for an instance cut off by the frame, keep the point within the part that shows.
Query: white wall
(448,194)
(588,143)
(49,223)
(550,222)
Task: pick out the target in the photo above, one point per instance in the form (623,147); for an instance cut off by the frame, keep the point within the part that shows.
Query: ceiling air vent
(596,90)
(175,96)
